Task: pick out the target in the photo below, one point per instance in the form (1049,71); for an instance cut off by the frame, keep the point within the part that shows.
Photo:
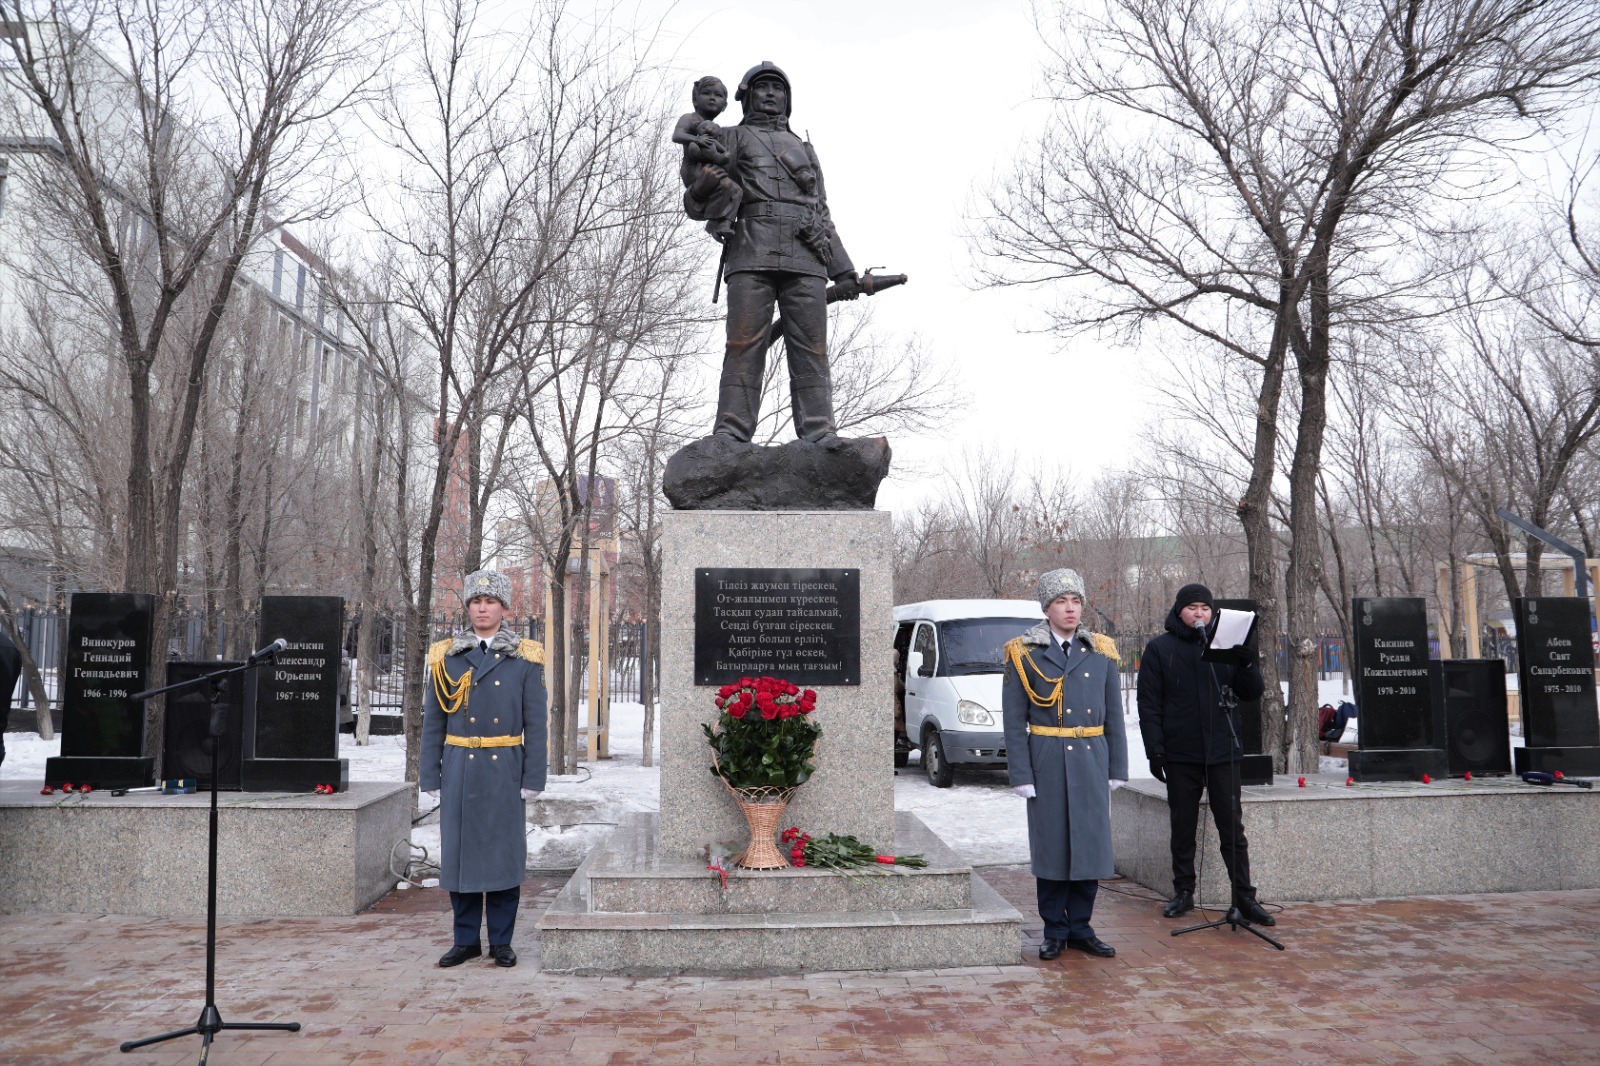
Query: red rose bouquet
(837,852)
(765,737)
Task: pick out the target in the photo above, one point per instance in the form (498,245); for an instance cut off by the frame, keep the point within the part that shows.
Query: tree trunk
(1305,555)
(1261,544)
(555,674)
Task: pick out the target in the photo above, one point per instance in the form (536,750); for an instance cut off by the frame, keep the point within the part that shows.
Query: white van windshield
(976,645)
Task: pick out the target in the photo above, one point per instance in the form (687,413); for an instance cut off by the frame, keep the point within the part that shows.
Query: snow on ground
(979,816)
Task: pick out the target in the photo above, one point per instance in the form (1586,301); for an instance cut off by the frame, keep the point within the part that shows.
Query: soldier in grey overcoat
(483,755)
(1066,752)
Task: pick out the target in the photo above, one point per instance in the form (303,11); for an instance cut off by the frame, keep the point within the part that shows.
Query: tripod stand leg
(132,1044)
(1247,927)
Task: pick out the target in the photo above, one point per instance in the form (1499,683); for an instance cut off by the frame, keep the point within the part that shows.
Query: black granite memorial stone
(102,729)
(800,625)
(292,721)
(1256,766)
(1555,672)
(1401,734)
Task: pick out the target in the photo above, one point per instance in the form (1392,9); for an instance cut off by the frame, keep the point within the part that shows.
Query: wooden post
(1441,582)
(598,703)
(1469,602)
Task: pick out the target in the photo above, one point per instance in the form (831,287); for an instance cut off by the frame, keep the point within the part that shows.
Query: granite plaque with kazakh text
(801,625)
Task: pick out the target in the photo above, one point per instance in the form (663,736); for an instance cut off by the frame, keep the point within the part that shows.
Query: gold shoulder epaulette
(1107,647)
(452,693)
(531,650)
(1013,647)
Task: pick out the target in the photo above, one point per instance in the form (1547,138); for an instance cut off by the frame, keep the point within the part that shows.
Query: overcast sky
(913,107)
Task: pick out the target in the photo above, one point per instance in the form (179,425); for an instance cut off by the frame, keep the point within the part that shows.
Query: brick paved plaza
(1458,980)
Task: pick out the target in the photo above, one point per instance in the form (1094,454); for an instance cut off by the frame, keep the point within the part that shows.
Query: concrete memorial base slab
(1398,764)
(1573,761)
(1330,840)
(278,854)
(630,909)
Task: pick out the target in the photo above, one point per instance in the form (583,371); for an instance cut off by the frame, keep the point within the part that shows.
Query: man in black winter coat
(1191,739)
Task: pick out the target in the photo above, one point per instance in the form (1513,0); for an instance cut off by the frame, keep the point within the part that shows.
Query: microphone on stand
(269,652)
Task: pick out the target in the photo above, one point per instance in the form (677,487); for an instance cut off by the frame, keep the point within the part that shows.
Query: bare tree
(658,422)
(159,174)
(1247,177)
(509,143)
(582,371)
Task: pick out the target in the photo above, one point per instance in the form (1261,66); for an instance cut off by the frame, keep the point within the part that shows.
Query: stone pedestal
(1330,840)
(278,855)
(853,790)
(643,902)
(633,910)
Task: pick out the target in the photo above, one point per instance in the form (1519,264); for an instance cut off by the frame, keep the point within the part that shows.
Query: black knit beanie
(1193,593)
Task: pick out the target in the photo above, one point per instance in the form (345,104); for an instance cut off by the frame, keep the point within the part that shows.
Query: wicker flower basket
(763,811)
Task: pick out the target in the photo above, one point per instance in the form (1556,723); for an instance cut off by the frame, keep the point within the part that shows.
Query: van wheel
(934,764)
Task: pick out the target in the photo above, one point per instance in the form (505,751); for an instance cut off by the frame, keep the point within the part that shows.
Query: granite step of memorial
(629,910)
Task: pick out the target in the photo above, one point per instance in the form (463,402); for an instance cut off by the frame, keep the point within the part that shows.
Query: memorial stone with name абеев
(292,721)
(1555,672)
(1401,737)
(102,729)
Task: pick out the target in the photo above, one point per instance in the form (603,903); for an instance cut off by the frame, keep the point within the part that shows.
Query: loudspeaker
(1470,696)
(186,736)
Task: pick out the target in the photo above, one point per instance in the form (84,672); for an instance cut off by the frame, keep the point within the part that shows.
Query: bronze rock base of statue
(722,474)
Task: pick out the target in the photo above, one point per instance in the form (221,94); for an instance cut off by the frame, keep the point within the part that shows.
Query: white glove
(529,794)
(1025,791)
(1115,784)
(432,794)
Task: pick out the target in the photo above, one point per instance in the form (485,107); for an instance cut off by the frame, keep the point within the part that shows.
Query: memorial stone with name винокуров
(102,728)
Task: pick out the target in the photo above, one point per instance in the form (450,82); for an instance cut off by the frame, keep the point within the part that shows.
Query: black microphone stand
(211,1023)
(1233,919)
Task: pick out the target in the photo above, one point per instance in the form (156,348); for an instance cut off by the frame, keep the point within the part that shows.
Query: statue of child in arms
(709,195)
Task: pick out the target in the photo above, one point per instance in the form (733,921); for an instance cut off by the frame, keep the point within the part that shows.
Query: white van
(949,655)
